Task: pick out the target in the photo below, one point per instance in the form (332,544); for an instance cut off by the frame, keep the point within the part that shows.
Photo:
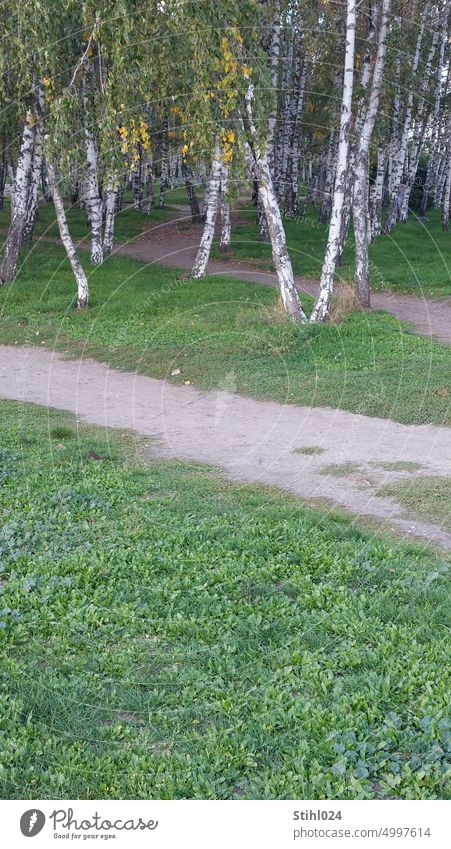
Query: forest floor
(174,243)
(339,458)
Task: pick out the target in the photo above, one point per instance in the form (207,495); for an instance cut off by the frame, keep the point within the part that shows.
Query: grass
(340,470)
(401,466)
(414,258)
(309,450)
(166,634)
(128,224)
(427,498)
(156,320)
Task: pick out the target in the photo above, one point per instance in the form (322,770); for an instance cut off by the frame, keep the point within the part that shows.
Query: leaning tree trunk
(360,209)
(80,276)
(322,303)
(260,170)
(203,254)
(13,241)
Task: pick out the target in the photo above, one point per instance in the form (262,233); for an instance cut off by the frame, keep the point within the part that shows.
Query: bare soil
(251,441)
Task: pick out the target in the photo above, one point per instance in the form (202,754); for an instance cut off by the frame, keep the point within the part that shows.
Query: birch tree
(79,274)
(261,172)
(360,209)
(203,253)
(322,303)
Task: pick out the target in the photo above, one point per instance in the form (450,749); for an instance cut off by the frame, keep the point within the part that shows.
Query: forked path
(174,243)
(252,441)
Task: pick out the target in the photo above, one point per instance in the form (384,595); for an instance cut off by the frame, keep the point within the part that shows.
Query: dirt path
(252,441)
(175,244)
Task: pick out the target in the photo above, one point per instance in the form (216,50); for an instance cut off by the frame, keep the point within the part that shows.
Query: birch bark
(260,170)
(226,222)
(360,211)
(203,254)
(80,276)
(322,303)
(400,161)
(13,241)
(92,197)
(112,188)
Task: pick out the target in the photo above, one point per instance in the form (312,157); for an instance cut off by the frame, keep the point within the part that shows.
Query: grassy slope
(220,330)
(414,258)
(167,634)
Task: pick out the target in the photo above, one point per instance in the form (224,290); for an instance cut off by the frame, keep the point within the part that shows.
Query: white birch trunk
(447,196)
(203,254)
(110,214)
(34,183)
(164,171)
(80,276)
(260,170)
(420,128)
(92,199)
(360,211)
(19,204)
(322,303)
(226,221)
(292,176)
(400,161)
(377,195)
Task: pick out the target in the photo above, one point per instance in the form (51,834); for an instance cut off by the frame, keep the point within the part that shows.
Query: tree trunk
(164,170)
(196,217)
(36,172)
(360,210)
(292,175)
(110,213)
(80,276)
(326,200)
(421,121)
(447,196)
(3,171)
(203,254)
(148,181)
(226,222)
(322,303)
(260,170)
(92,199)
(137,180)
(377,195)
(19,202)
(400,161)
